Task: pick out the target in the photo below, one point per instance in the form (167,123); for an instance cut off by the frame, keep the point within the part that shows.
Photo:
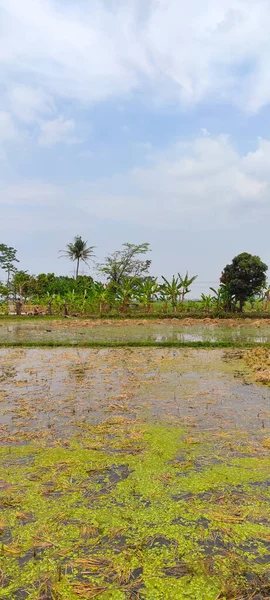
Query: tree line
(127,284)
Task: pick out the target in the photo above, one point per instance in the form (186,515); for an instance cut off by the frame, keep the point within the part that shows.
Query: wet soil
(133,475)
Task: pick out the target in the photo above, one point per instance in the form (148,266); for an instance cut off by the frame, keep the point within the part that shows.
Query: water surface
(78,331)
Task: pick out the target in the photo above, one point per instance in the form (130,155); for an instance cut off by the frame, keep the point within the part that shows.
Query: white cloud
(58,131)
(28,104)
(8,132)
(204,132)
(258,162)
(177,51)
(7,128)
(198,204)
(200,184)
(31,194)
(86,154)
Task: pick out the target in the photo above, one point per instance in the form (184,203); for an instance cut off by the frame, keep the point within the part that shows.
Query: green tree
(186,282)
(3,290)
(78,251)
(125,263)
(22,284)
(7,260)
(245,277)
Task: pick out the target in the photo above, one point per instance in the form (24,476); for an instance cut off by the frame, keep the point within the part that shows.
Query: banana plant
(70,300)
(57,302)
(222,297)
(186,282)
(83,301)
(171,289)
(266,299)
(217,299)
(127,292)
(148,290)
(206,302)
(99,296)
(50,298)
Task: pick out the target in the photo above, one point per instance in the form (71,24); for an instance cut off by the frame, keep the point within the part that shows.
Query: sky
(136,121)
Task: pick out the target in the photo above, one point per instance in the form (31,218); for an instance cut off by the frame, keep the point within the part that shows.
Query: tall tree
(78,251)
(245,277)
(126,263)
(22,284)
(7,260)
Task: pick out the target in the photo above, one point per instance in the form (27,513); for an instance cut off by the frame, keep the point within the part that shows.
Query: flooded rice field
(55,392)
(133,474)
(79,331)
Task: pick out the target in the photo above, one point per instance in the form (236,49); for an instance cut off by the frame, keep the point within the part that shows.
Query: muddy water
(55,392)
(78,331)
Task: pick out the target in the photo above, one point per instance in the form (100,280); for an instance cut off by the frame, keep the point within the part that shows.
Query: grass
(143,315)
(131,344)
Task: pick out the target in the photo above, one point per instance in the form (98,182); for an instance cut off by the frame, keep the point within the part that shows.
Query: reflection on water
(72,331)
(54,391)
(189,337)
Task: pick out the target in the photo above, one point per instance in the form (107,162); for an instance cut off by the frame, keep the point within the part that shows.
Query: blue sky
(131,120)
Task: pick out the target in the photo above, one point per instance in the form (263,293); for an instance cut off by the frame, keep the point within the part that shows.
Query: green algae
(134,510)
(128,508)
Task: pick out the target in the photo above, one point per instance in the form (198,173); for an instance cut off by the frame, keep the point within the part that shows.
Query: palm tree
(78,251)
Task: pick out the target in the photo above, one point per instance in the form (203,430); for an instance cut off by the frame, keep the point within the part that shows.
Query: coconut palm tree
(78,251)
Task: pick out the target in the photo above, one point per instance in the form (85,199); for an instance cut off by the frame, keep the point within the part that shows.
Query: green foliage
(126,263)
(207,302)
(7,257)
(22,284)
(148,292)
(222,299)
(3,290)
(186,282)
(7,260)
(129,286)
(51,284)
(171,290)
(127,292)
(244,277)
(78,251)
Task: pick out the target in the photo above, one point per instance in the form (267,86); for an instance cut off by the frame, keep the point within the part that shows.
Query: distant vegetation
(127,287)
